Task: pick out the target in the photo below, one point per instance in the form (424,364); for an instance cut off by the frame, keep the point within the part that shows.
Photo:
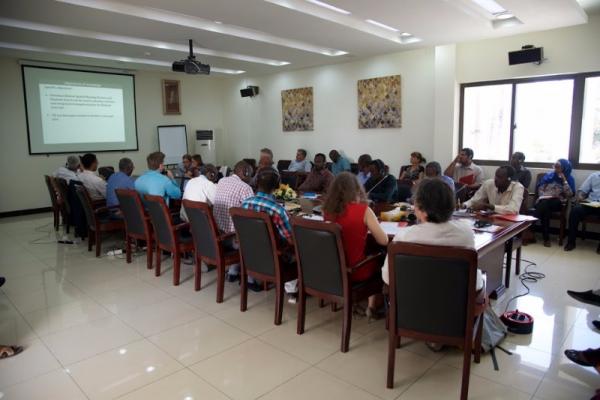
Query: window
(590,127)
(546,118)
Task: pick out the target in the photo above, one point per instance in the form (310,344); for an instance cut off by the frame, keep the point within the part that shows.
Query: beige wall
(21,181)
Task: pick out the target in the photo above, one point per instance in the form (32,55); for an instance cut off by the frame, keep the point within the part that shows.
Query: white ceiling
(279,33)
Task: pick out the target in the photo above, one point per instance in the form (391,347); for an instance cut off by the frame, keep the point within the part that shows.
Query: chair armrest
(380,254)
(101,210)
(225,236)
(181,226)
(99,203)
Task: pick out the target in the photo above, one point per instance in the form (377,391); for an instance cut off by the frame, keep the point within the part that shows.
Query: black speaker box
(524,56)
(250,91)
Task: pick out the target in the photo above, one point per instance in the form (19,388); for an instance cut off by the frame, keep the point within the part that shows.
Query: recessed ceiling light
(329,6)
(150,368)
(191,21)
(111,57)
(504,15)
(384,26)
(218,22)
(490,6)
(405,34)
(34,26)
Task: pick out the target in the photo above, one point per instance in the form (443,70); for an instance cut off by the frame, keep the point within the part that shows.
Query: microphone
(378,183)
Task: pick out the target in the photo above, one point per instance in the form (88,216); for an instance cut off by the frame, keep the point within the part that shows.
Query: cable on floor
(526,277)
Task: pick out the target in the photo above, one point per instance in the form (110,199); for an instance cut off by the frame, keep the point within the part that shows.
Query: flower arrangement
(285,192)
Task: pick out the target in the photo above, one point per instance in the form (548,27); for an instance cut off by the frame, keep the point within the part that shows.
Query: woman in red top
(346,205)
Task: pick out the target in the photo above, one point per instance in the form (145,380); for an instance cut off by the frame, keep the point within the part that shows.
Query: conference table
(492,242)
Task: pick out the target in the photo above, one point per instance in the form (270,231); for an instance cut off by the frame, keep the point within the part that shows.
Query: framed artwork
(171,98)
(297,109)
(379,103)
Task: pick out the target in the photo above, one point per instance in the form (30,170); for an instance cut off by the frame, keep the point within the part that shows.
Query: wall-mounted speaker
(527,54)
(250,91)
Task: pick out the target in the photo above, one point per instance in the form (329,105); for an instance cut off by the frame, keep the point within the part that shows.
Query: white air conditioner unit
(205,146)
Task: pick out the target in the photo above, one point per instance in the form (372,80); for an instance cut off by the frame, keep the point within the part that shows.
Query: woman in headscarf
(553,190)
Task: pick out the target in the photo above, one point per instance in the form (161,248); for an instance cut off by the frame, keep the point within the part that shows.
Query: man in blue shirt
(119,180)
(340,164)
(588,192)
(153,181)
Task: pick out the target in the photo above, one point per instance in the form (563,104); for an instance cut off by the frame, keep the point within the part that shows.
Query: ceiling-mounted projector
(190,65)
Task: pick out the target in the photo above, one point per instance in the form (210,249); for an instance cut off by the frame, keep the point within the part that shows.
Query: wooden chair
(283,165)
(209,244)
(561,215)
(98,220)
(167,236)
(62,188)
(55,201)
(433,298)
(261,257)
(137,223)
(323,273)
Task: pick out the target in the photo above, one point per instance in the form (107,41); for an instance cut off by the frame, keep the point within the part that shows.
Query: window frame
(576,117)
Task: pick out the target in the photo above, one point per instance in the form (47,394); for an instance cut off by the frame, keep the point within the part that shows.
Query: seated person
(184,166)
(339,163)
(381,187)
(201,188)
(95,185)
(300,164)
(463,170)
(433,169)
(319,178)
(589,191)
(69,171)
(522,174)
(363,168)
(553,190)
(154,182)
(346,205)
(500,195)
(119,180)
(434,205)
(415,170)
(265,160)
(194,170)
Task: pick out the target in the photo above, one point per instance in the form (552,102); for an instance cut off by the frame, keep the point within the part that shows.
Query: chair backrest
(50,185)
(320,255)
(161,220)
(132,209)
(256,237)
(282,165)
(432,288)
(86,204)
(525,203)
(62,187)
(203,227)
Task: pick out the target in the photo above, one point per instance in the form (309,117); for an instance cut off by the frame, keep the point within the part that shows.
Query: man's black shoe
(232,278)
(2,280)
(255,287)
(587,297)
(569,246)
(596,324)
(578,357)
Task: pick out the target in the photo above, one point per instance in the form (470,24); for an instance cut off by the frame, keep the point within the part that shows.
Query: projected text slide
(81,113)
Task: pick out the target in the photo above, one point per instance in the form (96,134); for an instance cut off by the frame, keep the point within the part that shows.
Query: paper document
(391,228)
(594,204)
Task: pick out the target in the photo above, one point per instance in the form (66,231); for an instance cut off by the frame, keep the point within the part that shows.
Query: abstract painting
(379,103)
(297,109)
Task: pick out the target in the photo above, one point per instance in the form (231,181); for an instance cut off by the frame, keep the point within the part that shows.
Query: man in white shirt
(201,188)
(300,164)
(463,170)
(501,195)
(95,185)
(69,171)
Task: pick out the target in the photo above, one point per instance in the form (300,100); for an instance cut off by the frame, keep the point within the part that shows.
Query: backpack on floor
(494,332)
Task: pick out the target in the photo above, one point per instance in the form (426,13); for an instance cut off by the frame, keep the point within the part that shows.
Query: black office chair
(137,223)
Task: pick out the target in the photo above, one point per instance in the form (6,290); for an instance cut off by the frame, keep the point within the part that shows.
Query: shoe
(598,249)
(232,278)
(587,297)
(547,243)
(569,246)
(435,347)
(292,298)
(577,357)
(255,287)
(2,280)
(596,324)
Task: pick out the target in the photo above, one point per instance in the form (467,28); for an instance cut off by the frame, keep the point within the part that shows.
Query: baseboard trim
(17,213)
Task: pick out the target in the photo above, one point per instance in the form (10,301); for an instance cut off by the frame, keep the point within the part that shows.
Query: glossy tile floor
(103,329)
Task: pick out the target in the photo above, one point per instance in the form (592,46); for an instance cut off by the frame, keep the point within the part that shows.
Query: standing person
(381,186)
(553,190)
(501,195)
(363,168)
(157,181)
(346,205)
(340,164)
(415,170)
(231,192)
(300,164)
(522,174)
(69,171)
(589,191)
(95,185)
(463,170)
(319,178)
(202,188)
(119,180)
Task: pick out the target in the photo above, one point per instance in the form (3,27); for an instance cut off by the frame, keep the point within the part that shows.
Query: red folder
(467,179)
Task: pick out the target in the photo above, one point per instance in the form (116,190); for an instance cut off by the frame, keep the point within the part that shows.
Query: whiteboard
(172,140)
